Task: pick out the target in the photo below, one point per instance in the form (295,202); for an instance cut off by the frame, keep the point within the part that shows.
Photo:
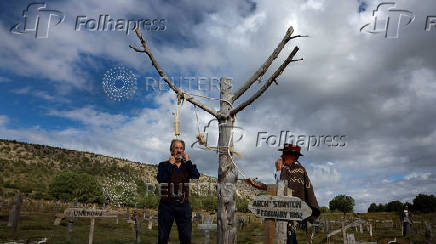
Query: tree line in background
(421,203)
(345,204)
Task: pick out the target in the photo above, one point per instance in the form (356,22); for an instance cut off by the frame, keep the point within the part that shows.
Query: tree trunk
(227,174)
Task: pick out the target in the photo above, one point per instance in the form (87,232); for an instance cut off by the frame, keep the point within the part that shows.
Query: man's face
(289,158)
(177,151)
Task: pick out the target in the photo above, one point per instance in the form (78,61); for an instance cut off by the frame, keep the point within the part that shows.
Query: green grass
(38,225)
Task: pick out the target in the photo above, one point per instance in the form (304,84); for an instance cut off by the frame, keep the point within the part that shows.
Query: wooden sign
(89,213)
(280,207)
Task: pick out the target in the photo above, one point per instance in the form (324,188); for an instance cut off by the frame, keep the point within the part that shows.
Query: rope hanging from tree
(200,136)
(180,99)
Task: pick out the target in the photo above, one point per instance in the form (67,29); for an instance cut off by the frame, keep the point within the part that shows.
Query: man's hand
(172,160)
(279,164)
(250,181)
(185,156)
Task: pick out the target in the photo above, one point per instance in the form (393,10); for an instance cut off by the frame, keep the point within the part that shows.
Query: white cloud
(418,176)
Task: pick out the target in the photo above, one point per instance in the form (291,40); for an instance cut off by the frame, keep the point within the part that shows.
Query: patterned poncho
(299,182)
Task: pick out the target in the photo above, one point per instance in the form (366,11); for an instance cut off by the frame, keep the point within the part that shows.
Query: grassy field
(38,225)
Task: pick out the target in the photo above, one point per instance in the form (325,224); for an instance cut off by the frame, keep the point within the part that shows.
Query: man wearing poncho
(301,186)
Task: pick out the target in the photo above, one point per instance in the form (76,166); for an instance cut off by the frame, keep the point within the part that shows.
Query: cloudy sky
(374,89)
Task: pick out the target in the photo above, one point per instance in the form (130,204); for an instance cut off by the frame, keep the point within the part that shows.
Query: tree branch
(261,71)
(293,60)
(165,77)
(267,84)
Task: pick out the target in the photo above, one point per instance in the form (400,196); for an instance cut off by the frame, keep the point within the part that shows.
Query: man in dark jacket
(173,176)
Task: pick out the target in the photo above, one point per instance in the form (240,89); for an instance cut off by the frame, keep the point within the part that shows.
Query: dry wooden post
(91,230)
(227,173)
(70,224)
(269,226)
(370,229)
(139,218)
(282,226)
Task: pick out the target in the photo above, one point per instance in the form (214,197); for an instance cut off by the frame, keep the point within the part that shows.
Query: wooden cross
(207,226)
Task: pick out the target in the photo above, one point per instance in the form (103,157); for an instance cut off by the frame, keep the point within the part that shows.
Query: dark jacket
(177,179)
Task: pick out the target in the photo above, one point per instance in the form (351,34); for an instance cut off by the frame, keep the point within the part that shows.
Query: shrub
(83,187)
(342,203)
(242,205)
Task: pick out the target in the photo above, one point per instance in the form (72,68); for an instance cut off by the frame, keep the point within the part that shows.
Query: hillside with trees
(53,173)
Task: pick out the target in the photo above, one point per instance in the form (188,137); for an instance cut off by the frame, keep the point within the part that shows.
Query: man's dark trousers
(181,213)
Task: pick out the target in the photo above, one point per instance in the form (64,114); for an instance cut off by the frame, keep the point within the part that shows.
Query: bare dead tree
(227,173)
